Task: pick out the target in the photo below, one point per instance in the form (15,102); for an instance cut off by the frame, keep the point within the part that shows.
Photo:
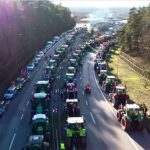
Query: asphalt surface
(103,130)
(14,125)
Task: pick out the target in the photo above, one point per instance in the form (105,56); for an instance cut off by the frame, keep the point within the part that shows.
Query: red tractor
(71,91)
(119,96)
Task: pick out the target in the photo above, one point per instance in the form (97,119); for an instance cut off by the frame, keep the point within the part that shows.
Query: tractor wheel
(47,137)
(126,124)
(115,102)
(119,115)
(140,126)
(68,143)
(83,142)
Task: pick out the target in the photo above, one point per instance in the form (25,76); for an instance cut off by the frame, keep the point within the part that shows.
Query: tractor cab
(131,117)
(71,91)
(52,64)
(103,67)
(72,107)
(71,70)
(119,97)
(73,62)
(42,87)
(36,142)
(40,103)
(109,83)
(76,132)
(69,78)
(40,124)
(102,76)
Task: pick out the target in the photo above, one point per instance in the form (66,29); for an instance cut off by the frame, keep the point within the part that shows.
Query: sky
(103,3)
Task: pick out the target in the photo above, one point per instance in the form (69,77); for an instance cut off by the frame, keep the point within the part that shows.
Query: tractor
(42,87)
(102,67)
(36,142)
(73,62)
(75,133)
(87,89)
(40,126)
(70,78)
(70,91)
(52,65)
(109,83)
(71,70)
(131,117)
(102,76)
(118,96)
(40,104)
(72,108)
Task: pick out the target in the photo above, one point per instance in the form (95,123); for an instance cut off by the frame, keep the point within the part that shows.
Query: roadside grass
(137,89)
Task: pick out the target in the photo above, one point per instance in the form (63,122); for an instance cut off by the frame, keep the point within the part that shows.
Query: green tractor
(72,70)
(75,133)
(42,87)
(72,108)
(40,126)
(73,62)
(109,83)
(64,48)
(40,103)
(36,142)
(102,76)
(52,65)
(131,117)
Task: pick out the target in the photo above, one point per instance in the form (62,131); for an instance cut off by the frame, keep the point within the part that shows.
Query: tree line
(25,26)
(134,37)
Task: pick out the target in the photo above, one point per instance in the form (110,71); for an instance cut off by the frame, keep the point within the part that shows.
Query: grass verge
(137,89)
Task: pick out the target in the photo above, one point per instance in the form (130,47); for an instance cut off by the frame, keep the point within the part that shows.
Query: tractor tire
(68,143)
(115,102)
(140,126)
(126,124)
(83,142)
(119,115)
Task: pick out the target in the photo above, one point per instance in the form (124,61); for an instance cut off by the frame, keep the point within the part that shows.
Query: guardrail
(140,69)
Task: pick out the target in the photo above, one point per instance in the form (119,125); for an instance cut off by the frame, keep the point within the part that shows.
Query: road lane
(11,123)
(106,130)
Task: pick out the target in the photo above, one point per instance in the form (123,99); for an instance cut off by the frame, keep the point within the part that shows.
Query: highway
(14,125)
(103,130)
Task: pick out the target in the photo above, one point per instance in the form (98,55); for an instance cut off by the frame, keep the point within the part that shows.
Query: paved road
(14,125)
(104,131)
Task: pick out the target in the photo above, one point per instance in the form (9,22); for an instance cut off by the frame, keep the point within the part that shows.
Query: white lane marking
(21,116)
(27,103)
(102,93)
(83,92)
(12,141)
(80,78)
(132,142)
(112,109)
(86,102)
(92,118)
(57,140)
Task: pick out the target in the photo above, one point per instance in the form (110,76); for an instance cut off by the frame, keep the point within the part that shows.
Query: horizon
(102,3)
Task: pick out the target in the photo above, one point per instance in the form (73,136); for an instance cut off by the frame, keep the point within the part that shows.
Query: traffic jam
(55,95)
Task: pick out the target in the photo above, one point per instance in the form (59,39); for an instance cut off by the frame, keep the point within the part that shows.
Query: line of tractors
(41,99)
(75,131)
(131,116)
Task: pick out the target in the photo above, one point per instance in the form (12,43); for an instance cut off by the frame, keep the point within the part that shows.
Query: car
(3,107)
(20,83)
(38,56)
(41,53)
(30,66)
(35,61)
(10,93)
